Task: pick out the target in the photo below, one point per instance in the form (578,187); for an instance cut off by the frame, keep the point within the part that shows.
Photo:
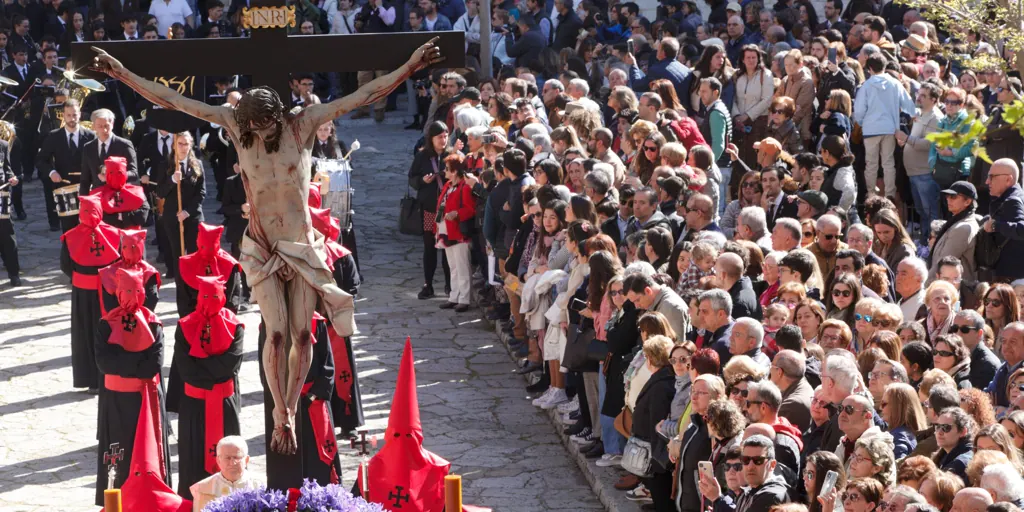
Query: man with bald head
(729,277)
(787,372)
(971,499)
(1006,218)
(855,413)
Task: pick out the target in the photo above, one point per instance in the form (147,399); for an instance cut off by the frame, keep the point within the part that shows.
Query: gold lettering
(268,17)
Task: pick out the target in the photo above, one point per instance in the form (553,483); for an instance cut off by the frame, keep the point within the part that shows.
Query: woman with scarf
(133,257)
(208,354)
(346,402)
(129,348)
(958,235)
(86,248)
(939,298)
(124,206)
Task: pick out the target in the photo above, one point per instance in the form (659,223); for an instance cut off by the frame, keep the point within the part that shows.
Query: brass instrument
(7,132)
(79,89)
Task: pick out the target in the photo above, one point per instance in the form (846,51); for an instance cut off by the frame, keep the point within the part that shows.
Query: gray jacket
(675,310)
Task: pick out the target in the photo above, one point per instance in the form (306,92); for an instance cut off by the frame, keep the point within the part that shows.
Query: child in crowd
(702,264)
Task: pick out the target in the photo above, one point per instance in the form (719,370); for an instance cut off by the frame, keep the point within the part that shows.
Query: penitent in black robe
(204,373)
(347,410)
(134,219)
(85,316)
(319,382)
(119,412)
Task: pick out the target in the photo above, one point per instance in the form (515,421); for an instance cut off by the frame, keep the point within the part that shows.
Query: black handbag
(410,216)
(946,173)
(577,356)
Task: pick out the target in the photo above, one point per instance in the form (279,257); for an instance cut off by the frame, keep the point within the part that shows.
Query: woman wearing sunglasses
(939,298)
(750,195)
(1013,390)
(781,126)
(808,232)
(842,298)
(952,357)
(863,326)
(859,495)
(954,430)
(738,372)
(1000,307)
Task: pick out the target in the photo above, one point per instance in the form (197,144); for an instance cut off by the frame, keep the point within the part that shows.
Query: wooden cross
(269,55)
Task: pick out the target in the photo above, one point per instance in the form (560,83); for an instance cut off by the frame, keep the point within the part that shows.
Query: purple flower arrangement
(312,498)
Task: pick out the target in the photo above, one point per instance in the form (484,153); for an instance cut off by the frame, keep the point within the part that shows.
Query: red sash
(213,401)
(344,378)
(149,387)
(320,419)
(85,281)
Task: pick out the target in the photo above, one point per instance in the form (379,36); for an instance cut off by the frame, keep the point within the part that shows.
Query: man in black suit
(8,244)
(20,116)
(154,153)
(615,227)
(59,24)
(60,157)
(115,10)
(779,204)
(95,152)
(129,29)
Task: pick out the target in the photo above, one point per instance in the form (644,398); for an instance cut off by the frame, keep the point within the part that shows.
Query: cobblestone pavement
(474,412)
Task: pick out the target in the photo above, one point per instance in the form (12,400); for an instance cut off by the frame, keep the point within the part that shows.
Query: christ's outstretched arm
(160,95)
(426,55)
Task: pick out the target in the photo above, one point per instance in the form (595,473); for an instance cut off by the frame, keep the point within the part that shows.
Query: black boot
(426,292)
(415,124)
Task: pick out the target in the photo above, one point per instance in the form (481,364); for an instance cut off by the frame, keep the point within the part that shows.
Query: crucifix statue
(282,258)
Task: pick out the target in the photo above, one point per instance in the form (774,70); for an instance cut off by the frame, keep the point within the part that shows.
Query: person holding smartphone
(426,177)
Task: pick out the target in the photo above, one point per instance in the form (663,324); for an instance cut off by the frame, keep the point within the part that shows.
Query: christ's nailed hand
(105,63)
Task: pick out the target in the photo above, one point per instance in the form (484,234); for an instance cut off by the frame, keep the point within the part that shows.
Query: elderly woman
(456,208)
(653,405)
(809,314)
(892,242)
(693,445)
(835,334)
(860,495)
(940,298)
(771,277)
(902,411)
(725,427)
(873,458)
(953,164)
(738,372)
(781,126)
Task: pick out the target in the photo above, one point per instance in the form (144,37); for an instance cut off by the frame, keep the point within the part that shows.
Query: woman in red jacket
(457,207)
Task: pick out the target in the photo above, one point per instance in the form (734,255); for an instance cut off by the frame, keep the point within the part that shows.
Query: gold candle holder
(453,493)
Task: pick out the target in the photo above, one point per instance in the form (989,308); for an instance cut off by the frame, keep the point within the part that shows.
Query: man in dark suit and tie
(60,157)
(129,29)
(154,155)
(95,152)
(115,10)
(19,72)
(615,227)
(778,203)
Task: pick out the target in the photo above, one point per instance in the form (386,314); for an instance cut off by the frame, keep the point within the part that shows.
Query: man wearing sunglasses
(827,243)
(1006,216)
(855,413)
(969,325)
(954,430)
(764,488)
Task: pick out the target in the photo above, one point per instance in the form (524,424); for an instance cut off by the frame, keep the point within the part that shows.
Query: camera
(422,84)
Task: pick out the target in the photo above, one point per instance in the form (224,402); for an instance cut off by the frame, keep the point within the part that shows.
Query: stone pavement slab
(475,412)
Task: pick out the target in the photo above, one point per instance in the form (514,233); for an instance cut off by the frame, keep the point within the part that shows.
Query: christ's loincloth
(307,262)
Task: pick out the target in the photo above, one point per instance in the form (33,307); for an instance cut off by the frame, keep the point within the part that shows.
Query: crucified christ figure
(283,261)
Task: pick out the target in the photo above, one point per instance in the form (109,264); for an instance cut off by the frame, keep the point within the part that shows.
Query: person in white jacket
(342,16)
(469,23)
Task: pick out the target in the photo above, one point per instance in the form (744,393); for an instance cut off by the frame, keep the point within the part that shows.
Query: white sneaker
(640,493)
(585,436)
(542,398)
(607,461)
(556,398)
(570,406)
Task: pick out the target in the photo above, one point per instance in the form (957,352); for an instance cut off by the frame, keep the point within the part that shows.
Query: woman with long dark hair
(817,466)
(713,63)
(754,89)
(426,177)
(842,299)
(1000,307)
(667,92)
(185,170)
(327,144)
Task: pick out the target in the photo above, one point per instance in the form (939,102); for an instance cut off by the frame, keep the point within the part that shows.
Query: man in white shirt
(233,461)
(169,12)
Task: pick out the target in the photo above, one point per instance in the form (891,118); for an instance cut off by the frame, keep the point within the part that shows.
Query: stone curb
(602,480)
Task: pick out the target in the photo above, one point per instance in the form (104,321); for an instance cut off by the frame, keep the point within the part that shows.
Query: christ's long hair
(261,106)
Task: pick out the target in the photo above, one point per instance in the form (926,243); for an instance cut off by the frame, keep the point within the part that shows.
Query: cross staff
(269,54)
(111,458)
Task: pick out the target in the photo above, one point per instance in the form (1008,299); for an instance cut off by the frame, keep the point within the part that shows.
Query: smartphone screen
(629,47)
(832,57)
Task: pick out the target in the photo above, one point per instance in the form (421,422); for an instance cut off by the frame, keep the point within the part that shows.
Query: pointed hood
(405,404)
(145,488)
(208,260)
(314,200)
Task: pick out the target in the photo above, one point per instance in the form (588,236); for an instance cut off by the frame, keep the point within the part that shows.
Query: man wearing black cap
(470,95)
(669,188)
(811,204)
(958,236)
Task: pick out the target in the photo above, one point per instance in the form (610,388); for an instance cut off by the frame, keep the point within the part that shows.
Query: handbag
(624,422)
(636,458)
(946,173)
(577,342)
(410,216)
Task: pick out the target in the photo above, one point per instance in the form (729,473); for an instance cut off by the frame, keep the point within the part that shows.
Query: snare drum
(5,204)
(336,189)
(66,199)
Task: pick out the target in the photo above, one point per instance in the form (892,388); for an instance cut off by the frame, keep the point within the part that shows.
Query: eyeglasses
(859,317)
(841,293)
(808,234)
(756,460)
(990,176)
(751,184)
(876,374)
(615,293)
(734,466)
(738,391)
(830,337)
(953,102)
(754,402)
(679,360)
(943,353)
(849,496)
(537,215)
(944,427)
(996,303)
(848,409)
(819,403)
(650,149)
(829,237)
(966,329)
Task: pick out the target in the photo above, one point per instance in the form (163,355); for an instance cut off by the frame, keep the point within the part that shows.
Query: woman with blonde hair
(184,172)
(1014,424)
(939,299)
(864,317)
(808,232)
(902,411)
(996,437)
(835,119)
(563,138)
(653,404)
